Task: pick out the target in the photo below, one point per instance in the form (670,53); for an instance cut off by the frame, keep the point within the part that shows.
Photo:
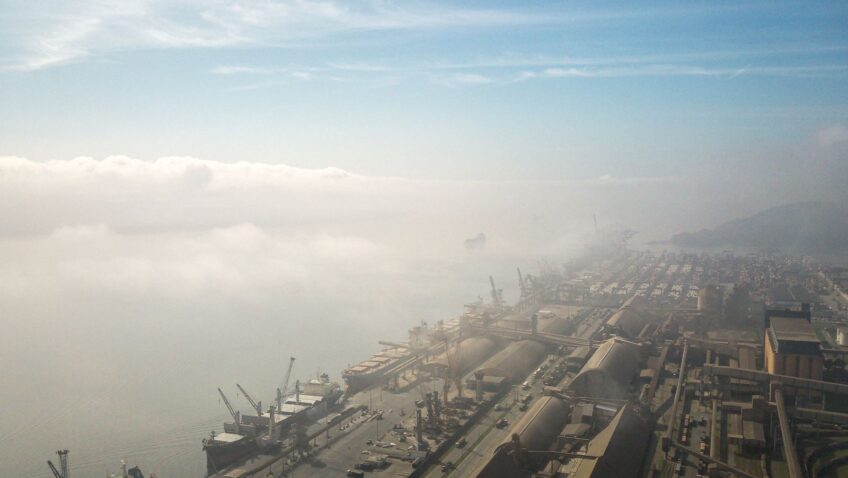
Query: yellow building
(791,345)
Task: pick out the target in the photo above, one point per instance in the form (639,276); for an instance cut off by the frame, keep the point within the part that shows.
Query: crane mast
(63,465)
(281,393)
(256,405)
(235,414)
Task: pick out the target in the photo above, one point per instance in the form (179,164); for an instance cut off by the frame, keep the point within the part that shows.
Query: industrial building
(514,362)
(628,321)
(619,448)
(791,346)
(608,373)
(471,351)
(536,430)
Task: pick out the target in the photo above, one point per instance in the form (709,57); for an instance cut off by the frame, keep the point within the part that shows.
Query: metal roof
(516,360)
(609,371)
(793,336)
(628,321)
(620,446)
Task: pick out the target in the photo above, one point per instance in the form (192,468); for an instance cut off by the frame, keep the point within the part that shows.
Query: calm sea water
(114,376)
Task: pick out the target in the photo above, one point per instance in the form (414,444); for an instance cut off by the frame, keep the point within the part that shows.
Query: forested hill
(810,227)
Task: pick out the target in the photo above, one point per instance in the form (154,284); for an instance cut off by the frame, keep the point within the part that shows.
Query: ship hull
(357,383)
(221,455)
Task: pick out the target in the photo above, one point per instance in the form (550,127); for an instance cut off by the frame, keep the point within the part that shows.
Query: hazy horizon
(192,191)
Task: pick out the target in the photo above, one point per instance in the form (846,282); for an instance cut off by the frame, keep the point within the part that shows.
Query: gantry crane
(281,393)
(235,413)
(256,405)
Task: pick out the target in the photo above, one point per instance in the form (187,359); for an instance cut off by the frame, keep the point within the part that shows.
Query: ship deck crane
(281,393)
(54,470)
(235,413)
(256,405)
(496,294)
(63,464)
(521,284)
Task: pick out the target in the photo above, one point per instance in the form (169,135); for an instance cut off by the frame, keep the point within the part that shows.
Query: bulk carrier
(372,371)
(248,434)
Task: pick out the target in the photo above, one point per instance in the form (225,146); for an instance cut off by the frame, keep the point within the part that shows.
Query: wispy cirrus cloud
(515,69)
(75,30)
(460,79)
(40,36)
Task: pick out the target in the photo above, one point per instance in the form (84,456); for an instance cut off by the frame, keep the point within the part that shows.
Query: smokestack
(297,391)
(271,422)
(534,323)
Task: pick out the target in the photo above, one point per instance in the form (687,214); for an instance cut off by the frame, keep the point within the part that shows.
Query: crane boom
(281,393)
(496,296)
(235,413)
(256,406)
(54,470)
(521,284)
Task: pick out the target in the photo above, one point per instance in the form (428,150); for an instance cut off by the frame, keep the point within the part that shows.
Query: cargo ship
(248,434)
(371,372)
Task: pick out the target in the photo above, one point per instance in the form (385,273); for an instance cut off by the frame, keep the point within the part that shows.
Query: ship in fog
(248,434)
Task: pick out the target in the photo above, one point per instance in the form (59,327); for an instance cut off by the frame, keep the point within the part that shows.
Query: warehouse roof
(628,321)
(620,446)
(609,371)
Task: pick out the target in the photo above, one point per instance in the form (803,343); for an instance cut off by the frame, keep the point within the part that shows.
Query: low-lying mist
(132,289)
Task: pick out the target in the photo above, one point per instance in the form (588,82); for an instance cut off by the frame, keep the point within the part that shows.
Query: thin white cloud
(833,135)
(515,70)
(608,179)
(461,79)
(79,29)
(804,71)
(74,30)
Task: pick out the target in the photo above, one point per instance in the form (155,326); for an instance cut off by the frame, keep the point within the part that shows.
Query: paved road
(346,451)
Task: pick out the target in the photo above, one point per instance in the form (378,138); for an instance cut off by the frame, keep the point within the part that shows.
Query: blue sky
(480,90)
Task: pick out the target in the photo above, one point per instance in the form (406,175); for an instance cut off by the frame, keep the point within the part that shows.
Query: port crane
(235,413)
(497,294)
(521,284)
(63,464)
(281,393)
(453,371)
(256,405)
